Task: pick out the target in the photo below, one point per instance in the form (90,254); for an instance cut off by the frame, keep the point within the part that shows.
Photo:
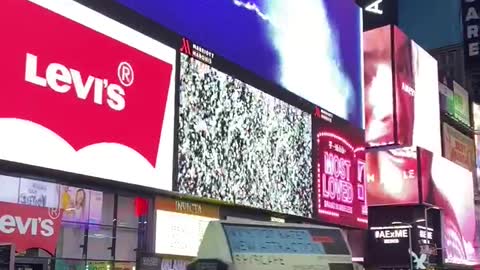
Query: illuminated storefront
(79,227)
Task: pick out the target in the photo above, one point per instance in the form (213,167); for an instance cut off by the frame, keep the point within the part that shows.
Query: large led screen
(450,187)
(240,145)
(339,158)
(400,78)
(476,122)
(84,94)
(311,47)
(392,177)
(378,75)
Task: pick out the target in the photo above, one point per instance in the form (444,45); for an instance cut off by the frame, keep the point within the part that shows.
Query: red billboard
(400,78)
(92,93)
(339,166)
(29,226)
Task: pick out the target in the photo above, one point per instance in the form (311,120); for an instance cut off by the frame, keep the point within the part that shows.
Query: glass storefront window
(61,264)
(100,242)
(71,241)
(126,249)
(124,266)
(99,265)
(38,193)
(126,212)
(9,190)
(107,206)
(97,229)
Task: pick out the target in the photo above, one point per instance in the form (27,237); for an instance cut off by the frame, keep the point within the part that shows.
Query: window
(98,229)
(61,264)
(125,251)
(100,242)
(71,241)
(126,212)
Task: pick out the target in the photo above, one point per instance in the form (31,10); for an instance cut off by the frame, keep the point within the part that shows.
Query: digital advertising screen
(378,78)
(458,147)
(37,193)
(339,166)
(393,230)
(458,105)
(388,245)
(456,199)
(392,177)
(426,125)
(179,234)
(446,94)
(400,78)
(180,226)
(81,205)
(240,145)
(476,124)
(312,47)
(454,99)
(83,107)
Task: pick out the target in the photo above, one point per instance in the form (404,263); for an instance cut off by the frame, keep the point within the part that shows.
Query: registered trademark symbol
(125,74)
(54,213)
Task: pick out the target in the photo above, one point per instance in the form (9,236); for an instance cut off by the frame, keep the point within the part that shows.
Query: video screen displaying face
(400,79)
(404,87)
(378,77)
(456,200)
(240,145)
(393,177)
(339,158)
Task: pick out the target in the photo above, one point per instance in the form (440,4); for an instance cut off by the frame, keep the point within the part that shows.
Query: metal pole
(410,246)
(427,230)
(426,216)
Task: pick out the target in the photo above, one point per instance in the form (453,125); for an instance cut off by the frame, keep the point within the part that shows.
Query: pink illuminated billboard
(392,177)
(339,166)
(449,187)
(400,78)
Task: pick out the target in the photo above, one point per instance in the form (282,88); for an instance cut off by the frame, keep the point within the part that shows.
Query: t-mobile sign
(340,172)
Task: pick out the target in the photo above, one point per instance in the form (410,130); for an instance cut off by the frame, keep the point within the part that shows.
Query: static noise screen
(240,145)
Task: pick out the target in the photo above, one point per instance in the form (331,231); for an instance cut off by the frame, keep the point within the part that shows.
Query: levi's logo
(16,224)
(29,226)
(98,91)
(61,79)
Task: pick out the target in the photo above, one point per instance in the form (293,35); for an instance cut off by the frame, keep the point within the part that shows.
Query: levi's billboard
(400,79)
(339,166)
(29,226)
(84,94)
